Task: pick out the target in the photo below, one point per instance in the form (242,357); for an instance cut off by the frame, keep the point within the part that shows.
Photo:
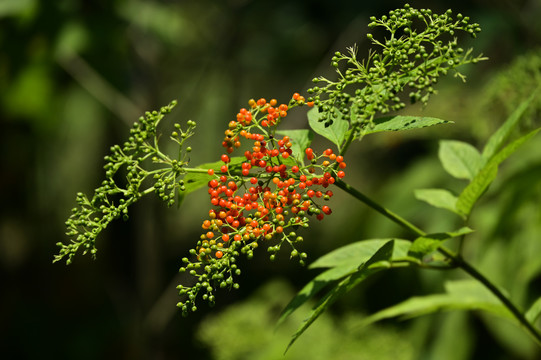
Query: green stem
(473,272)
(374,205)
(455,258)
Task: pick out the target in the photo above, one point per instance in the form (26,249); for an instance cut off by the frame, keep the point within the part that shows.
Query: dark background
(74,76)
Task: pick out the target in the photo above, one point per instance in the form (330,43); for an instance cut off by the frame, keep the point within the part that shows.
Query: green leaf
(314,286)
(335,132)
(459,159)
(502,134)
(534,311)
(480,183)
(301,139)
(460,295)
(402,122)
(427,244)
(383,254)
(439,198)
(342,262)
(359,252)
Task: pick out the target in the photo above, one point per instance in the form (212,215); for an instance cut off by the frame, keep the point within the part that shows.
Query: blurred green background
(74,76)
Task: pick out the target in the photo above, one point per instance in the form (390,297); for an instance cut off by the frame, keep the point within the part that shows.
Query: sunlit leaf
(459,159)
(335,132)
(487,174)
(402,122)
(497,139)
(321,281)
(460,295)
(384,253)
(360,252)
(427,244)
(439,198)
(342,262)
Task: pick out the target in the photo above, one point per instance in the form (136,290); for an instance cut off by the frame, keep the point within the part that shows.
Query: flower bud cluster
(125,175)
(263,197)
(418,48)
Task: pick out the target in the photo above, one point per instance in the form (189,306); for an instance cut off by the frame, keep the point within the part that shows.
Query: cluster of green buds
(418,48)
(129,172)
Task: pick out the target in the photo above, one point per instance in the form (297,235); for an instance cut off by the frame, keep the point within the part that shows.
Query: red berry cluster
(263,196)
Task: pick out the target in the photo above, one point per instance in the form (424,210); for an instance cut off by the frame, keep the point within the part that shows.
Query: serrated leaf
(335,132)
(382,254)
(480,183)
(300,139)
(502,134)
(359,252)
(402,122)
(459,159)
(460,295)
(439,198)
(427,244)
(534,311)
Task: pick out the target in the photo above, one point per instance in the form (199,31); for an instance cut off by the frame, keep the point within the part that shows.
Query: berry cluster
(264,196)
